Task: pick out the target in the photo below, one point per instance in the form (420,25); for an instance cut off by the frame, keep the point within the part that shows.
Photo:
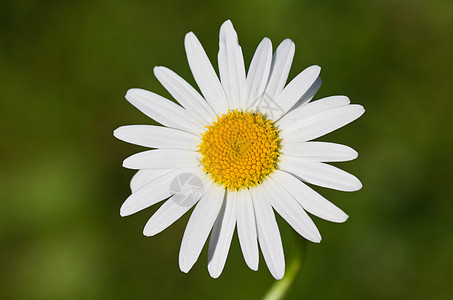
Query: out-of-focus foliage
(64,69)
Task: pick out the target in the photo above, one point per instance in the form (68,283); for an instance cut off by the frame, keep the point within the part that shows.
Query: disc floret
(240,149)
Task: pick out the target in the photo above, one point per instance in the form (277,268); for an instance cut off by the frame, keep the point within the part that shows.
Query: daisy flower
(237,152)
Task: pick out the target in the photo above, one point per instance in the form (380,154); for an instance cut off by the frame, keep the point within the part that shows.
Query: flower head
(238,152)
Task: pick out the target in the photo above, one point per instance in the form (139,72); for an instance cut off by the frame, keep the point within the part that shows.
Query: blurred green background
(64,69)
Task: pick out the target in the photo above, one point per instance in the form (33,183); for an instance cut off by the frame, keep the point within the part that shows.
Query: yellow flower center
(240,149)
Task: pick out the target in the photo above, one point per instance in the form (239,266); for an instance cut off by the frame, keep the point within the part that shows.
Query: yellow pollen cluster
(240,149)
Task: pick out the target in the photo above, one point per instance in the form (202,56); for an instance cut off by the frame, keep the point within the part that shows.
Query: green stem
(281,287)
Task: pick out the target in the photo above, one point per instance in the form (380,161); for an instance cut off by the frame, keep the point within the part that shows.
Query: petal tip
(128,94)
(314,237)
(227,23)
(158,69)
(355,186)
(148,232)
(116,132)
(213,272)
(266,40)
(287,42)
(315,67)
(354,154)
(184,267)
(124,211)
(313,71)
(344,218)
(359,184)
(132,95)
(126,163)
(189,36)
(279,276)
(253,266)
(359,108)
(133,91)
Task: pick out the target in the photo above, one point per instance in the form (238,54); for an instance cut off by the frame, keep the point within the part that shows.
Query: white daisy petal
(163,110)
(157,137)
(289,122)
(155,191)
(281,64)
(185,94)
(145,176)
(310,200)
(320,174)
(166,215)
(320,151)
(247,229)
(294,91)
(268,233)
(258,74)
(186,195)
(173,209)
(324,122)
(231,65)
(204,75)
(162,159)
(199,226)
(310,93)
(290,210)
(222,233)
